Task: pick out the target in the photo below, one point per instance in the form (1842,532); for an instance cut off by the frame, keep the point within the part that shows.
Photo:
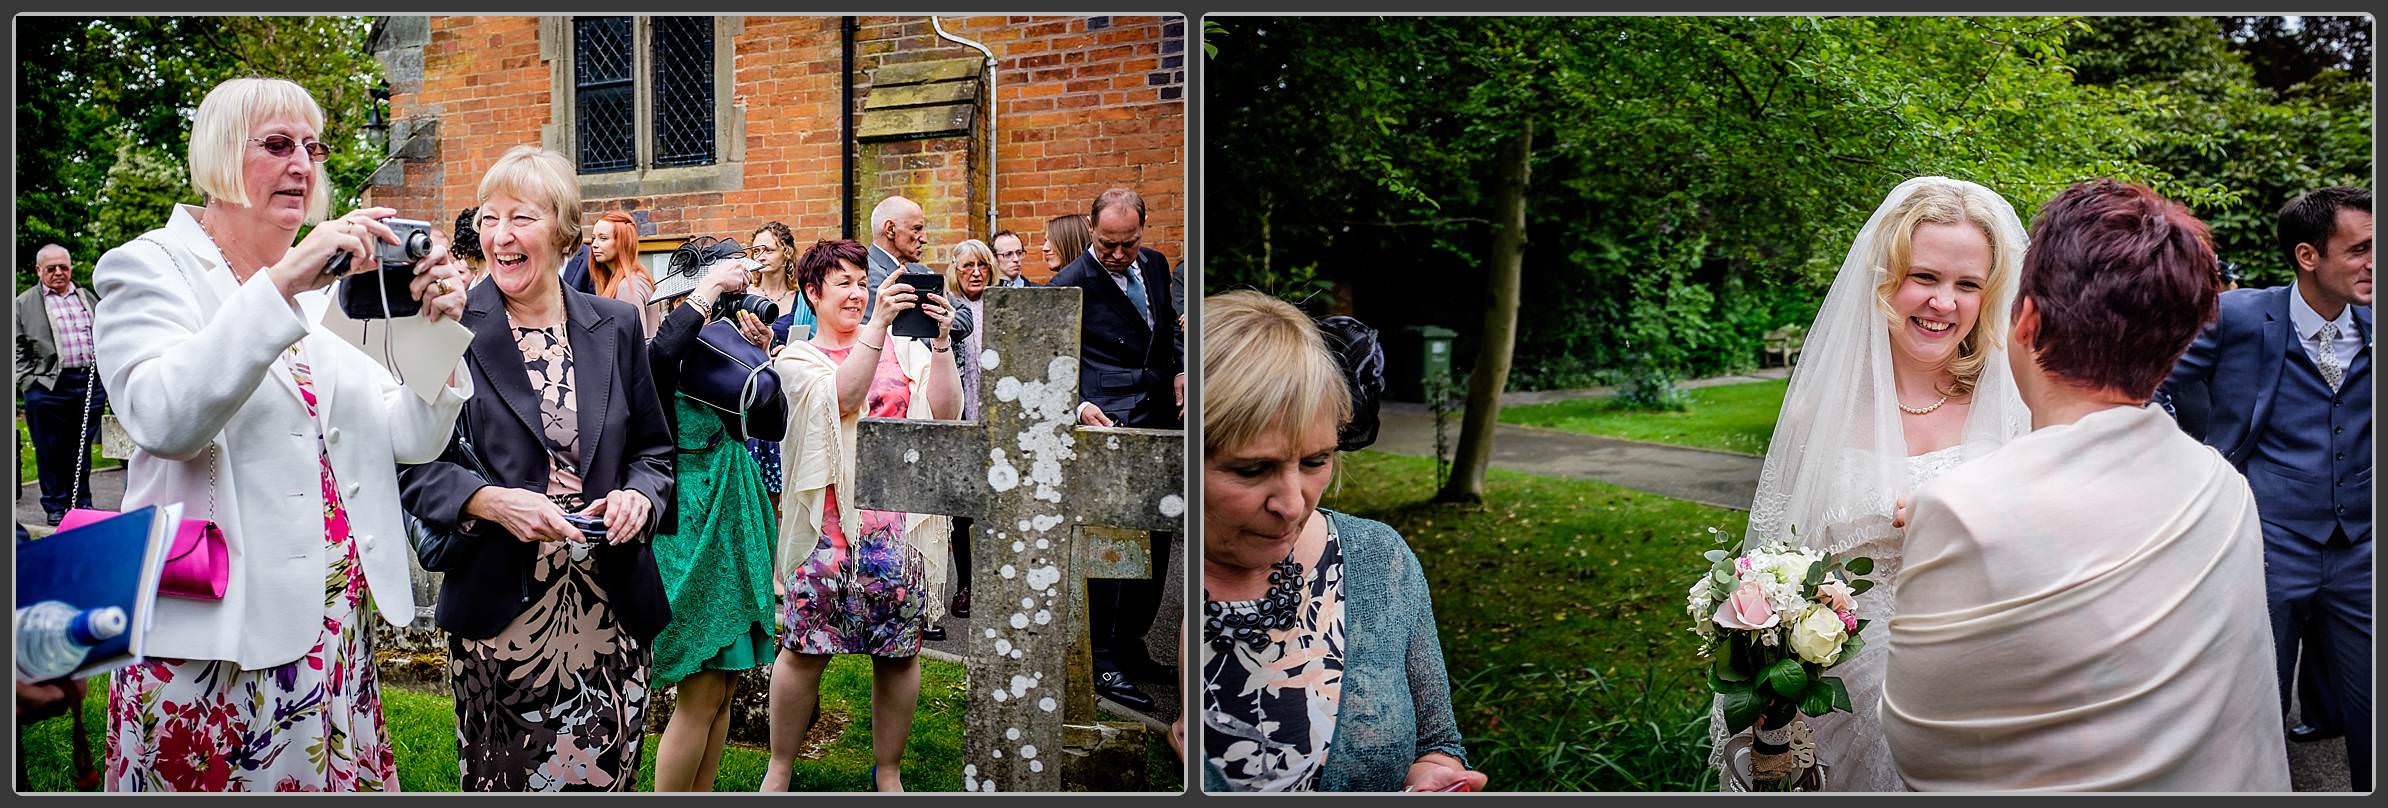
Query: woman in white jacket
(246,411)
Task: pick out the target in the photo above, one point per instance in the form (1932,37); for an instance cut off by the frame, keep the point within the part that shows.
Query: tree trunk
(1497,341)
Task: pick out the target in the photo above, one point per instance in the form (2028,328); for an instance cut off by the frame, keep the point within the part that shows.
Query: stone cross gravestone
(1031,477)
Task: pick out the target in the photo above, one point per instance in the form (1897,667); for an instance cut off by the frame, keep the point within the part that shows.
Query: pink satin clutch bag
(198,566)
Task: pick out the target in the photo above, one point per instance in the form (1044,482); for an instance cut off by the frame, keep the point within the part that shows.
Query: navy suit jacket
(2236,365)
(576,272)
(1124,367)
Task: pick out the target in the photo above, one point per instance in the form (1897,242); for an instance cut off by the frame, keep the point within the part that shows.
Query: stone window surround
(728,171)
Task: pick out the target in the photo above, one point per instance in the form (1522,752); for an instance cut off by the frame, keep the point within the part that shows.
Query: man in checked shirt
(55,368)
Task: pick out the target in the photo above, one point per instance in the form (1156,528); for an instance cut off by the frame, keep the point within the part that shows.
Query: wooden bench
(1785,343)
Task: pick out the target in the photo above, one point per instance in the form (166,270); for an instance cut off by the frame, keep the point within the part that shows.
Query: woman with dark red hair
(856,581)
(2084,609)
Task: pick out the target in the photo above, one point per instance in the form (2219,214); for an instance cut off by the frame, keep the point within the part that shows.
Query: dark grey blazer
(625,442)
(37,346)
(883,263)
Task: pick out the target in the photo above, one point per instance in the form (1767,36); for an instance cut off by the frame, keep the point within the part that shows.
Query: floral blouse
(1268,714)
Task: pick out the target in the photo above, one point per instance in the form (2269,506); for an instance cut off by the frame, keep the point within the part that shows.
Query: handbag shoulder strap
(91,389)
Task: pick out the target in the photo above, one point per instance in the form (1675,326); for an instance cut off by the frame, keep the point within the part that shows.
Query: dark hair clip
(1362,358)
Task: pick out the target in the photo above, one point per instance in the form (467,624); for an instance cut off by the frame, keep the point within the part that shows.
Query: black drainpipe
(845,182)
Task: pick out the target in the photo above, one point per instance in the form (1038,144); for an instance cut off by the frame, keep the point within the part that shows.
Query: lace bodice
(1883,543)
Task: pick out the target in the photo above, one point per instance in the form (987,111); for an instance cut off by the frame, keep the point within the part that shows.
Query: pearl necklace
(1923,410)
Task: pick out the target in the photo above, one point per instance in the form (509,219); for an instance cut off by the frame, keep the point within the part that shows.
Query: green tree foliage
(104,115)
(2216,122)
(1696,180)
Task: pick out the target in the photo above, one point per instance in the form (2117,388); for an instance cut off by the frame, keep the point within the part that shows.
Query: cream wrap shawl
(818,453)
(2084,611)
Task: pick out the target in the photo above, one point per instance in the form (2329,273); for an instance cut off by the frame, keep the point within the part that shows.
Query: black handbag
(440,550)
(725,372)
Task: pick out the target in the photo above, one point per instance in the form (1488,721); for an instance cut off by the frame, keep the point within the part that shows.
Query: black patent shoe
(1115,686)
(2307,733)
(933,633)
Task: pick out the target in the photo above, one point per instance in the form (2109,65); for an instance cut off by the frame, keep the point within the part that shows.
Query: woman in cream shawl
(855,581)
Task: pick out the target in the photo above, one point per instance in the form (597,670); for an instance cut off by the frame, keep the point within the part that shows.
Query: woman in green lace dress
(716,565)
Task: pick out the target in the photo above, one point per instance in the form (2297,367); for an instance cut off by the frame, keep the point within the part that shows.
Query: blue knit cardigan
(1396,700)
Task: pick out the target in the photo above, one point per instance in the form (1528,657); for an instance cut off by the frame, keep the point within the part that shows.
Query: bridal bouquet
(1772,619)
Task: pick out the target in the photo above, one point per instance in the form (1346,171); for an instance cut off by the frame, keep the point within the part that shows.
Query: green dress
(717,569)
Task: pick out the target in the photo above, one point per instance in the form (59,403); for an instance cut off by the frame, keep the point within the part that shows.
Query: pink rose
(1849,620)
(1835,593)
(1746,610)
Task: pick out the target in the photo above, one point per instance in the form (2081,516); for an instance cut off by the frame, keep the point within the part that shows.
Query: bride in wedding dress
(1904,376)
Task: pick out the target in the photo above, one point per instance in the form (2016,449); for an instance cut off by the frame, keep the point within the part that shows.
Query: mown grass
(27,472)
(1560,608)
(1727,417)
(422,725)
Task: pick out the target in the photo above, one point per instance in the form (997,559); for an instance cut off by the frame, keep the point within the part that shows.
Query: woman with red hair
(614,268)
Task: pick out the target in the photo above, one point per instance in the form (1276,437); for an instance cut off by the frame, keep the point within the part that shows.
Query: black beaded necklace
(1276,610)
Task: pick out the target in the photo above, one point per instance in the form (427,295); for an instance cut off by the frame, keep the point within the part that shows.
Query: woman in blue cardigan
(1320,667)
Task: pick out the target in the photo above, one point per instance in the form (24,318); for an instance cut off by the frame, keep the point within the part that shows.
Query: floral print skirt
(862,597)
(557,701)
(311,724)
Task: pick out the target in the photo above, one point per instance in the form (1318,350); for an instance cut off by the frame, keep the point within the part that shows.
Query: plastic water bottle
(53,638)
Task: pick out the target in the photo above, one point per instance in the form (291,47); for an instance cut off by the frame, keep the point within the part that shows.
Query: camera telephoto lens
(761,307)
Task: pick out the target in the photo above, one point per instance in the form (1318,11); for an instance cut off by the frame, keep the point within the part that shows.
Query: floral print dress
(862,595)
(1268,715)
(557,701)
(312,724)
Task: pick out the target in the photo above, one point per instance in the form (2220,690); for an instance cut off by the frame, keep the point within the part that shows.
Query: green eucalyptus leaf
(1859,586)
(1713,556)
(1840,694)
(1859,565)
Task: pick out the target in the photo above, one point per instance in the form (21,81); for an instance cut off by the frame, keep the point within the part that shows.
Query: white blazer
(189,360)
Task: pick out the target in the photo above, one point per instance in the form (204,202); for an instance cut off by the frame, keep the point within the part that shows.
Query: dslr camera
(688,264)
(385,294)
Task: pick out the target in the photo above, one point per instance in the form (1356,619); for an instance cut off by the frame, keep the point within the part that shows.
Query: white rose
(1817,636)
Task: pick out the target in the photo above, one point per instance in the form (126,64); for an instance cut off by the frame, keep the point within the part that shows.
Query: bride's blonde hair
(1939,203)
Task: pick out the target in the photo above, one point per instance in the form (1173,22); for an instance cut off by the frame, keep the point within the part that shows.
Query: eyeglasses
(1011,254)
(280,145)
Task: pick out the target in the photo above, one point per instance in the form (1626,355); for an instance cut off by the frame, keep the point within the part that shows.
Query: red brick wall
(1083,104)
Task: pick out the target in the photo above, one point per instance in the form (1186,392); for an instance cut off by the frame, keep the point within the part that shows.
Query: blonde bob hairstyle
(543,178)
(220,138)
(969,248)
(1265,370)
(1894,246)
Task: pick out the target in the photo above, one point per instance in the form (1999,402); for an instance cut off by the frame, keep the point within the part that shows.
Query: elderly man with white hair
(898,232)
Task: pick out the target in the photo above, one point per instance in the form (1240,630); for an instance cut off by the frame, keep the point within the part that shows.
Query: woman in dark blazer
(550,624)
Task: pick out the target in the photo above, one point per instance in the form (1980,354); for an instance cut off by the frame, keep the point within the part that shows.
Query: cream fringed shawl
(819,453)
(2084,610)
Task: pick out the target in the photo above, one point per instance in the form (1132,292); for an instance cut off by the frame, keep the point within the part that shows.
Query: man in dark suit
(55,358)
(2286,373)
(576,272)
(1130,373)
(899,232)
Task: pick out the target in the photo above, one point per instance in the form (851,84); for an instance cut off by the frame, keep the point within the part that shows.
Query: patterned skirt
(311,724)
(557,701)
(862,597)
